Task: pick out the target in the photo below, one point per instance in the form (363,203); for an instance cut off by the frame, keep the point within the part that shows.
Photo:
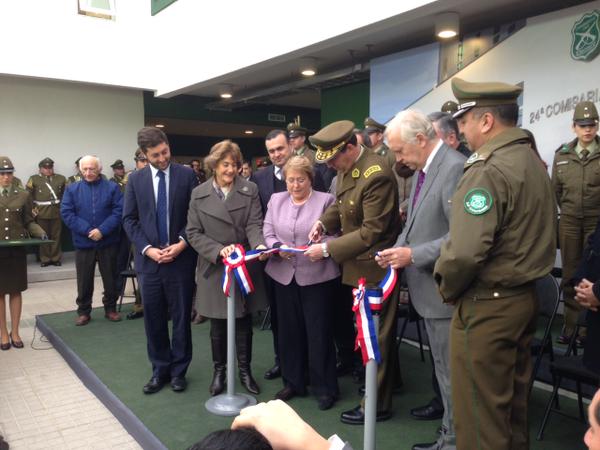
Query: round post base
(229,405)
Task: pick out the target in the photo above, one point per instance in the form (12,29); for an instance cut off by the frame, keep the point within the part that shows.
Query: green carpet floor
(116,352)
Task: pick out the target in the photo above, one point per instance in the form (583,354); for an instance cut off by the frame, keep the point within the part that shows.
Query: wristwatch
(325,252)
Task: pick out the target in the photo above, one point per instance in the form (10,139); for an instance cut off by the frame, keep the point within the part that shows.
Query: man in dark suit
(155,217)
(438,168)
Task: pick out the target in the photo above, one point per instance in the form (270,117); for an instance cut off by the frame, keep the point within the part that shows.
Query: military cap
(470,95)
(372,125)
(118,164)
(6,165)
(585,114)
(449,107)
(331,139)
(139,155)
(46,162)
(294,130)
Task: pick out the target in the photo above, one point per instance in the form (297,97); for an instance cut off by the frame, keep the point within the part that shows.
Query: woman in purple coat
(303,289)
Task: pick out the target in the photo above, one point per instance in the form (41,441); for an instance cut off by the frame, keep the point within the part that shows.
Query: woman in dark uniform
(17,223)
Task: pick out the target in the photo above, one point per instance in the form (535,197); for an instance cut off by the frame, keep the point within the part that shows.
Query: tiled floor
(43,405)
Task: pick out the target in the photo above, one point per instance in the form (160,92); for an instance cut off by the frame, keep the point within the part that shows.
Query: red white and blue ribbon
(387,286)
(366,337)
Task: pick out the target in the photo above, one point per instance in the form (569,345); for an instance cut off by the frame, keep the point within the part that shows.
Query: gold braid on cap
(326,154)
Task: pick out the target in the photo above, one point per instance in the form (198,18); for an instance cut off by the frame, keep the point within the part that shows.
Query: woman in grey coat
(224,211)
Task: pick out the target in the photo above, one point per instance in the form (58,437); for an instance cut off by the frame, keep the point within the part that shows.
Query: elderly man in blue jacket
(92,209)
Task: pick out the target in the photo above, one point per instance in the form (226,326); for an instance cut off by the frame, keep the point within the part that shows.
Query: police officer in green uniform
(119,174)
(375,131)
(297,139)
(576,182)
(77,176)
(449,107)
(366,214)
(17,223)
(502,238)
(46,189)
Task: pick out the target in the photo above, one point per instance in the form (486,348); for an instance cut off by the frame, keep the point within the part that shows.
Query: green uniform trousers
(388,371)
(490,365)
(573,234)
(51,252)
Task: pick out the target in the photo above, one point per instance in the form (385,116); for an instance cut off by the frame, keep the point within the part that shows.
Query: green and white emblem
(478,201)
(585,44)
(472,158)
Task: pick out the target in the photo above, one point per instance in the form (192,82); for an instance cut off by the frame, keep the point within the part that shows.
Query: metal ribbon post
(369,438)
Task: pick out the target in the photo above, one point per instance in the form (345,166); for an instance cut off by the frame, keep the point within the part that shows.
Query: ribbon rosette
(236,263)
(366,337)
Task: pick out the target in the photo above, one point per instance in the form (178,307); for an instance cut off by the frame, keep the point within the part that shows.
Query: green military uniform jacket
(121,181)
(16,218)
(503,223)
(47,193)
(576,182)
(306,151)
(17,183)
(385,152)
(74,179)
(366,214)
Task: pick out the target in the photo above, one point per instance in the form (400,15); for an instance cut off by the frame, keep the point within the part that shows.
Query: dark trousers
(168,289)
(343,323)
(122,259)
(53,228)
(85,266)
(436,401)
(305,314)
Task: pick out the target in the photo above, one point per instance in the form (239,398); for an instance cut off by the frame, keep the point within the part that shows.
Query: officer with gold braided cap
(366,216)
(502,238)
(576,182)
(47,189)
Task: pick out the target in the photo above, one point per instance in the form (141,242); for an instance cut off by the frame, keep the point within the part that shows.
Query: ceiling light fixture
(159,125)
(446,25)
(309,72)
(226,95)
(249,132)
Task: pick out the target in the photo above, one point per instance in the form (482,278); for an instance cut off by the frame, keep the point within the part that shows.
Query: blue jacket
(86,206)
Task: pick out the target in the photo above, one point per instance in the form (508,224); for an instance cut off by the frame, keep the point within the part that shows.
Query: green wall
(349,102)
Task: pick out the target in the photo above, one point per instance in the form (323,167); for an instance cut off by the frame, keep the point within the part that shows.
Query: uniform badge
(478,201)
(245,188)
(473,158)
(355,173)
(371,170)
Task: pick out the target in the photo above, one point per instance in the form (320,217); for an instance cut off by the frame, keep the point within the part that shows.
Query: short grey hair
(87,158)
(445,122)
(409,123)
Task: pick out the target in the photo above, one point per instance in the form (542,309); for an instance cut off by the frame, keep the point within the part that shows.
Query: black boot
(218,340)
(243,346)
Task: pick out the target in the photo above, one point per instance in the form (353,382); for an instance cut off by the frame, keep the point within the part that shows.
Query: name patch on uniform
(371,170)
(478,201)
(560,163)
(355,173)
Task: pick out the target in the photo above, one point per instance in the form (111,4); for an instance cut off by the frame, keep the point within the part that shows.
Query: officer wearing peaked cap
(375,131)
(46,189)
(366,215)
(119,174)
(502,238)
(16,223)
(576,182)
(449,107)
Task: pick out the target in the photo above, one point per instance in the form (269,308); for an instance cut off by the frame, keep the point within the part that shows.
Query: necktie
(584,154)
(5,192)
(420,181)
(161,210)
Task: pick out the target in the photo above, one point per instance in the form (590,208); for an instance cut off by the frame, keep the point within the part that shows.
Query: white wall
(539,56)
(63,120)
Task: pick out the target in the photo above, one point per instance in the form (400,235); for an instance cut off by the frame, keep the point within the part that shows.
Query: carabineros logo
(585,33)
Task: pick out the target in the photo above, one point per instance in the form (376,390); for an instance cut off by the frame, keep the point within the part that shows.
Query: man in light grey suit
(438,168)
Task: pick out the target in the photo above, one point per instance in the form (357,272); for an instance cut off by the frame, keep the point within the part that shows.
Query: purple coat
(290,224)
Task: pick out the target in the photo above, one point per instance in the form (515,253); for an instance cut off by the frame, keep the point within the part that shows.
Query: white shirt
(432,155)
(277,172)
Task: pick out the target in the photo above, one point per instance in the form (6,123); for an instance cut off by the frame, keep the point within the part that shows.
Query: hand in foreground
(284,254)
(585,295)
(398,257)
(264,256)
(172,251)
(95,235)
(281,426)
(315,232)
(314,252)
(226,251)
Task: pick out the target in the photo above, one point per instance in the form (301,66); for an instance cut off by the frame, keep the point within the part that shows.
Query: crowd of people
(459,202)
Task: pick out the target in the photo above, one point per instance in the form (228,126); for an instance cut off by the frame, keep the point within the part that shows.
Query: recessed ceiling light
(249,132)
(226,95)
(445,34)
(159,125)
(308,72)
(446,25)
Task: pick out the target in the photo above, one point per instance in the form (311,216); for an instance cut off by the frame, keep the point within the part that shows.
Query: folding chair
(569,366)
(548,293)
(128,274)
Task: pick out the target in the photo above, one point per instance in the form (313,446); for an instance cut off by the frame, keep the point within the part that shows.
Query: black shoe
(134,315)
(218,382)
(287,393)
(178,384)
(427,412)
(273,372)
(57,263)
(429,446)
(325,402)
(16,344)
(45,264)
(5,346)
(154,385)
(356,416)
(248,380)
